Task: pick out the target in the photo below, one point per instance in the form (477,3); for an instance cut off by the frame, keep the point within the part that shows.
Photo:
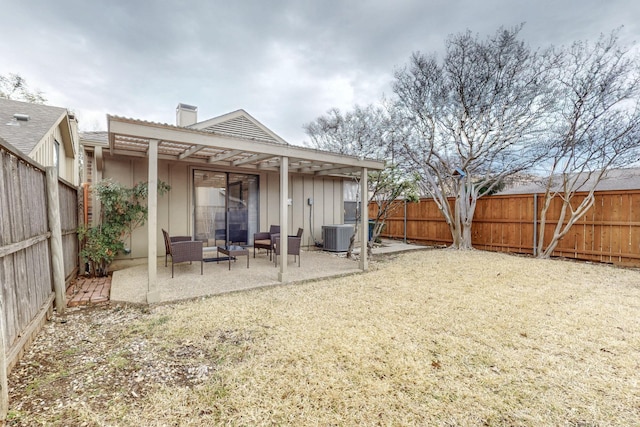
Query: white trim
(284,218)
(152,224)
(364,219)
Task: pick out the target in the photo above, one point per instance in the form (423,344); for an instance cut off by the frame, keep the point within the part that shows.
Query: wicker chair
(265,240)
(182,249)
(293,246)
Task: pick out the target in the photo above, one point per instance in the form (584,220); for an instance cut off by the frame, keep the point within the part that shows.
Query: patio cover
(154,141)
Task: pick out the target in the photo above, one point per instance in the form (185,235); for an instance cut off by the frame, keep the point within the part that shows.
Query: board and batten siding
(327,208)
(43,153)
(175,209)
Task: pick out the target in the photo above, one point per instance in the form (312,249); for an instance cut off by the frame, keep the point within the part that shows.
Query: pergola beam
(336,171)
(317,167)
(224,156)
(137,129)
(191,151)
(251,159)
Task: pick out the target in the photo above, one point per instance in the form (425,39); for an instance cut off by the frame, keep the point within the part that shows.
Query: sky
(285,62)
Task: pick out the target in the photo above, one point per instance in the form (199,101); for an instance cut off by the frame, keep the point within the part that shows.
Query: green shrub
(123,210)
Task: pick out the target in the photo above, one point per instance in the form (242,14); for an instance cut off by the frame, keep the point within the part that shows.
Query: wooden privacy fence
(38,252)
(609,232)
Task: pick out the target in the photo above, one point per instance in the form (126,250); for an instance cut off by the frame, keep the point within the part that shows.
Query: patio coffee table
(232,251)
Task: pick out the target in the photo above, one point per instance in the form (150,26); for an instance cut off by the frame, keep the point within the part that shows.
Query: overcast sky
(285,62)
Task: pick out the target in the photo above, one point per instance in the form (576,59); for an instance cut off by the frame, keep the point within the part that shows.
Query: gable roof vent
(21,117)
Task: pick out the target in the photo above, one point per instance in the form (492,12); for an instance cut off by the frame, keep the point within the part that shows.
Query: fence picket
(609,232)
(25,267)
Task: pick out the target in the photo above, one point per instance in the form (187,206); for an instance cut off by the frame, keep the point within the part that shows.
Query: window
(226,207)
(351,201)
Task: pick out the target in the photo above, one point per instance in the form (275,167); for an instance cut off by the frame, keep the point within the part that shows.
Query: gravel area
(92,358)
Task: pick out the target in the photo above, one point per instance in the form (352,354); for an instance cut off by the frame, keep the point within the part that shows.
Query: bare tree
(389,186)
(354,133)
(366,132)
(596,128)
(13,86)
(474,119)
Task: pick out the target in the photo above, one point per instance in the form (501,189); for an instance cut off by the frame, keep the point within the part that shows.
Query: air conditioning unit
(336,237)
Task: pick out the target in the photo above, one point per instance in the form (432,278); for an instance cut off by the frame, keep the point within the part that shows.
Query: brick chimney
(186,115)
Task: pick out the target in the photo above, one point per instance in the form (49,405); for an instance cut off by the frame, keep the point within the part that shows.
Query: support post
(364,215)
(57,259)
(284,218)
(153,295)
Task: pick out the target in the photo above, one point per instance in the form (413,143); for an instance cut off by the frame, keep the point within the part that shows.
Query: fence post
(405,221)
(535,224)
(57,261)
(4,384)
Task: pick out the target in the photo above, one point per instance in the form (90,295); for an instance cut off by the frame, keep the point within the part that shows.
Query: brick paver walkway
(89,291)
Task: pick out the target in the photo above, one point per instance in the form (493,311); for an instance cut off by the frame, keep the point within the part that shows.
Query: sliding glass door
(226,207)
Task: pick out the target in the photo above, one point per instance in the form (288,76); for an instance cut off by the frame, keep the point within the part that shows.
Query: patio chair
(182,249)
(265,240)
(293,246)
(167,243)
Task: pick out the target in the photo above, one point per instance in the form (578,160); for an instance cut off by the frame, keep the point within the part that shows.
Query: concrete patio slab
(129,285)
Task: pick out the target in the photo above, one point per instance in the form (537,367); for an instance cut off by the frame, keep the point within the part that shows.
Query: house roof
(100,137)
(238,123)
(615,179)
(26,134)
(212,145)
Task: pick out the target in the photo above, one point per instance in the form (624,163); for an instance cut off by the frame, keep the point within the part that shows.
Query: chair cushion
(263,242)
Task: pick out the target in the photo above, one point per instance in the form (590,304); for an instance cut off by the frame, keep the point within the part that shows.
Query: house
(230,177)
(46,134)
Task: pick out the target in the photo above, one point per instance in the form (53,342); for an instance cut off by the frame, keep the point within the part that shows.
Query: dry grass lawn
(428,338)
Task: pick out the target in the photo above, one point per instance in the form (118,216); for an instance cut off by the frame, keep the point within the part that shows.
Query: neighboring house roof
(26,134)
(615,179)
(238,123)
(100,137)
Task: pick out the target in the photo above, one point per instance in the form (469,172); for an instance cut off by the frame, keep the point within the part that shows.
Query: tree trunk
(352,240)
(542,225)
(466,237)
(465,206)
(561,228)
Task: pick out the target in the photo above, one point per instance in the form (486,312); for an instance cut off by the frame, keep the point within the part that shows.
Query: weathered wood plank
(25,268)
(4,366)
(19,246)
(29,332)
(5,217)
(17,211)
(57,255)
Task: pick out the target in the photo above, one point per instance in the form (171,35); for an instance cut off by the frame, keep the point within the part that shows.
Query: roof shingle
(25,135)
